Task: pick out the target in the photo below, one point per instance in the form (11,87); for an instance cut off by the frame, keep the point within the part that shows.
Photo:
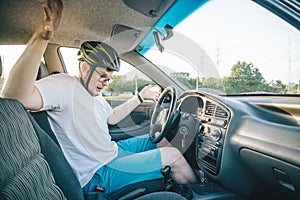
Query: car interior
(243,146)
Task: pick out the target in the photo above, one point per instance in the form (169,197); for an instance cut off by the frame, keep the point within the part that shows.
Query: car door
(137,123)
(127,83)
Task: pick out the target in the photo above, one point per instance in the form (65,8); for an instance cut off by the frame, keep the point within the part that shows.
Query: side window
(9,55)
(127,82)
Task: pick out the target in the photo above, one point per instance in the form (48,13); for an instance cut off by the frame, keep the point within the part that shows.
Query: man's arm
(20,84)
(121,111)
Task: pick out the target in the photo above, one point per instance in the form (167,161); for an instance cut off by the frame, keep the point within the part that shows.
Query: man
(79,114)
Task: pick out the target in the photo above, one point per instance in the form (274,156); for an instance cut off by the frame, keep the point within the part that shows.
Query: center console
(210,137)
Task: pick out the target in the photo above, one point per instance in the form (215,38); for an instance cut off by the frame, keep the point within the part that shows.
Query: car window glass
(9,55)
(235,47)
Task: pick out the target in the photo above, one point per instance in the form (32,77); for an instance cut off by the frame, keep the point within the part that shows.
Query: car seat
(34,167)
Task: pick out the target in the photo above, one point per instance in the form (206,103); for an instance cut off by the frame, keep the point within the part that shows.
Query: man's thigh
(131,169)
(136,144)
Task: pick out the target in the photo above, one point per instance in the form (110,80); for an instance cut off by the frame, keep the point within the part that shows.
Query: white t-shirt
(79,122)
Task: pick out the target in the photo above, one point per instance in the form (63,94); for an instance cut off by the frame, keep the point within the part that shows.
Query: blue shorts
(138,160)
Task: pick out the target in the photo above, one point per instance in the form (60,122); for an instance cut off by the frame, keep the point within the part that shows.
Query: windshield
(232,47)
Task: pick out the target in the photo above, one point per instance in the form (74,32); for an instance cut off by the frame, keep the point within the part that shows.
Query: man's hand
(150,92)
(51,19)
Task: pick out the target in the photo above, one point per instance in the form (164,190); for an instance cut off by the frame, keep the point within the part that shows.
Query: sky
(231,30)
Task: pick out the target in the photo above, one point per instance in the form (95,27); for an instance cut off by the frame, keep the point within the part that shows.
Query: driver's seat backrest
(41,118)
(32,165)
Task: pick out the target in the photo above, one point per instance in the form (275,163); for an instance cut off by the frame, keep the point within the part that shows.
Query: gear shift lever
(169,182)
(171,185)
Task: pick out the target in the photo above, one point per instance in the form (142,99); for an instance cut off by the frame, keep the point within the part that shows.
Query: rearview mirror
(158,36)
(157,41)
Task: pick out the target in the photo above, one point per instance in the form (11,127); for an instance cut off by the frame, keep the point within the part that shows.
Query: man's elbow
(10,95)
(111,121)
(5,93)
(29,102)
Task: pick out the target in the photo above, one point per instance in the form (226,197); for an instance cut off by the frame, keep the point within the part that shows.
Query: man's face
(99,80)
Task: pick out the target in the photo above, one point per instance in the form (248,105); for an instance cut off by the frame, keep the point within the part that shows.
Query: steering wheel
(162,117)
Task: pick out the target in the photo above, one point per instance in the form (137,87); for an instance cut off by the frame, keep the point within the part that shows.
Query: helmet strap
(86,85)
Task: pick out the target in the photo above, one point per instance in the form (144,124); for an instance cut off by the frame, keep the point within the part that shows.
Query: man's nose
(105,83)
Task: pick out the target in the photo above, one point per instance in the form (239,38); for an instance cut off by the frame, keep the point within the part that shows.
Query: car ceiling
(95,19)
(81,20)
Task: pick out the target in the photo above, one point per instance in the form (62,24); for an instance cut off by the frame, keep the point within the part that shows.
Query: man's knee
(171,156)
(170,151)
(181,171)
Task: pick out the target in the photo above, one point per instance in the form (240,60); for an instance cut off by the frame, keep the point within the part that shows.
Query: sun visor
(125,39)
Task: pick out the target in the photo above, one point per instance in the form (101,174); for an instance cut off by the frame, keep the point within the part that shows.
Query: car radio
(210,137)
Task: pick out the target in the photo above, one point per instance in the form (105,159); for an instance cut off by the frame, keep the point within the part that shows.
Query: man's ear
(85,67)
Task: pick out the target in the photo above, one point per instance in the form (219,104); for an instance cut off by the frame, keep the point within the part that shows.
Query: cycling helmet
(99,54)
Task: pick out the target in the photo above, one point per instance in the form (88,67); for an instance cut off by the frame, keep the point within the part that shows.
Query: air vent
(209,108)
(220,112)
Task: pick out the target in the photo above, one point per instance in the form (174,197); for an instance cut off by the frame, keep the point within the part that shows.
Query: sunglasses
(102,77)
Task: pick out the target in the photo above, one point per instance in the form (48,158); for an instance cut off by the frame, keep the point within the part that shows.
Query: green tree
(244,78)
(116,86)
(213,83)
(295,89)
(119,85)
(277,87)
(190,83)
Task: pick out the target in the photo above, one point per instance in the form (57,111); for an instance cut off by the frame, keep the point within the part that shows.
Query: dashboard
(248,144)
(203,126)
